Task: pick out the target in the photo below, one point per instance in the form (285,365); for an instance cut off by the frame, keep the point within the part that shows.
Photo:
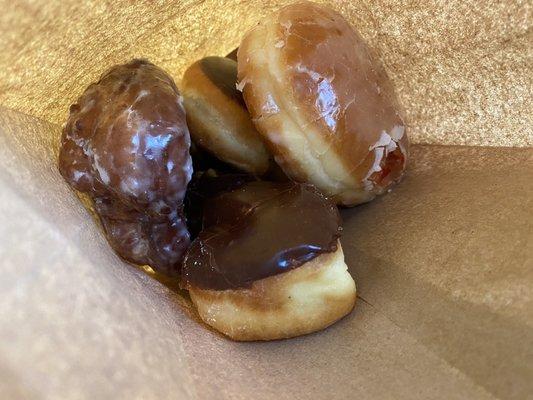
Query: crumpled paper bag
(443,263)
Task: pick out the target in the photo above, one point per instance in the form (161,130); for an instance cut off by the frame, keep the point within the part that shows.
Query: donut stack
(300,119)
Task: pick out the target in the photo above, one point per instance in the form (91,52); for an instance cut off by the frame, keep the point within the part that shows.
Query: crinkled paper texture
(443,263)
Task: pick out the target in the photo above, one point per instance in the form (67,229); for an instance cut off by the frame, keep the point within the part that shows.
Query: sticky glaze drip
(259,230)
(390,169)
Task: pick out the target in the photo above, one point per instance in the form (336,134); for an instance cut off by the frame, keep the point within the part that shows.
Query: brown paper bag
(443,264)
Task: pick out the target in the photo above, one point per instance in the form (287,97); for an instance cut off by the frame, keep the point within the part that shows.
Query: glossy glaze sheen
(260,230)
(126,144)
(324,79)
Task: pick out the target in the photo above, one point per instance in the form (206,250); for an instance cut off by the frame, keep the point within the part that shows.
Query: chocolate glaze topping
(126,144)
(222,72)
(203,187)
(259,230)
(211,177)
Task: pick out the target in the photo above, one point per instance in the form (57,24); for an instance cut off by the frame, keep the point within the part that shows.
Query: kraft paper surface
(463,69)
(443,263)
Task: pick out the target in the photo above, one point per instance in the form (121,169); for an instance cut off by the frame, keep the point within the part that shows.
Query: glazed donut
(323,103)
(143,238)
(217,116)
(126,144)
(268,263)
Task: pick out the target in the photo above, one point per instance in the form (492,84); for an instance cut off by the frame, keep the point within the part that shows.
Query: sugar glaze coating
(323,103)
(126,144)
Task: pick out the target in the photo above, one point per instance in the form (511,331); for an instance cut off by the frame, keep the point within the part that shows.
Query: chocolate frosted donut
(323,103)
(126,144)
(268,263)
(217,116)
(259,230)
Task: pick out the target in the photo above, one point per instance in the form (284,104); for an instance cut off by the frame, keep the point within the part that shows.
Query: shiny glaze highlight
(259,230)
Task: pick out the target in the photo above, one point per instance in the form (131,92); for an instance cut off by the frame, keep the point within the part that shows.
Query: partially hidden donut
(232,55)
(126,144)
(205,185)
(217,116)
(268,263)
(323,103)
